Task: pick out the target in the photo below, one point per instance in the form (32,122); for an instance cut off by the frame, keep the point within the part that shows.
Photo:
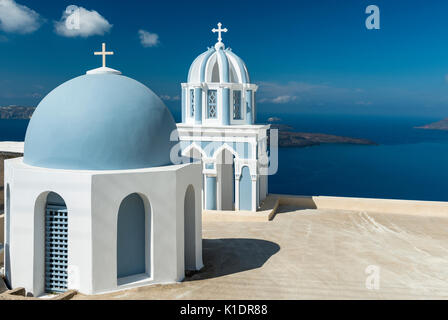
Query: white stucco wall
(28,190)
(93,199)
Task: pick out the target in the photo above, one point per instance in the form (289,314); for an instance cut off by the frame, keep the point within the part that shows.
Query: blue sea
(408,163)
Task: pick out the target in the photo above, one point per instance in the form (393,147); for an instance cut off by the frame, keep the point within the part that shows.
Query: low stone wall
(411,207)
(270,205)
(4,156)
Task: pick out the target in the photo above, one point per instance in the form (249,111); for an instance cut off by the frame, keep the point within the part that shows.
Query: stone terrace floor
(315,254)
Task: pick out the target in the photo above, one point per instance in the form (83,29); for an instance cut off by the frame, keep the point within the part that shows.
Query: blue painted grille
(212,98)
(192,102)
(237,105)
(56,249)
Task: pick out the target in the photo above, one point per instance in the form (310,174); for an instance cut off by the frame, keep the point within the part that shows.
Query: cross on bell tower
(104,53)
(220,31)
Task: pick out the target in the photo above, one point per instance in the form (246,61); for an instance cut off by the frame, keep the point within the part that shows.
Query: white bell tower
(218,126)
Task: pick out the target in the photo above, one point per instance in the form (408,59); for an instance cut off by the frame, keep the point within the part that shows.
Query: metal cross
(104,53)
(220,31)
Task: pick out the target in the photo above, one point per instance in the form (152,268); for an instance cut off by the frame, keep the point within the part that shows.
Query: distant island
(440,125)
(16,112)
(290,139)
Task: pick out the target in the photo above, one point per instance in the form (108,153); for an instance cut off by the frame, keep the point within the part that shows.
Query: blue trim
(249,107)
(212,104)
(236,105)
(194,62)
(225,106)
(241,65)
(224,66)
(210,202)
(192,103)
(208,54)
(198,105)
(184,104)
(245,190)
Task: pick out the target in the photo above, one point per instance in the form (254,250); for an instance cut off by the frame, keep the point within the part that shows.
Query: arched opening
(245,190)
(56,244)
(225,165)
(7,260)
(215,73)
(133,237)
(190,229)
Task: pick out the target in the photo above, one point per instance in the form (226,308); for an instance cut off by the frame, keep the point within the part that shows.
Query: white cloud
(80,22)
(284,99)
(148,39)
(16,18)
(291,92)
(279,99)
(309,94)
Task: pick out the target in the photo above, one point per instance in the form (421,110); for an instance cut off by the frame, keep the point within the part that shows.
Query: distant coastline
(16,112)
(288,138)
(439,125)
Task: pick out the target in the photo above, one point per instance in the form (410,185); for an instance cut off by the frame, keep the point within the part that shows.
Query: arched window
(215,73)
(133,237)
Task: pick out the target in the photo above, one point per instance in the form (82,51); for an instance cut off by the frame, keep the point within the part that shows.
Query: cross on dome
(104,53)
(219,31)
(103,69)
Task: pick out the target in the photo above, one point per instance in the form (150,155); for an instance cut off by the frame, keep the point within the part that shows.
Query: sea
(407,163)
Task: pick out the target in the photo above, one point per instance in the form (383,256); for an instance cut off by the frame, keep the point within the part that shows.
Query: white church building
(218,127)
(96,204)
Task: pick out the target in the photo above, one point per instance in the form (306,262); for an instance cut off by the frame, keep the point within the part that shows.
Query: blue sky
(312,56)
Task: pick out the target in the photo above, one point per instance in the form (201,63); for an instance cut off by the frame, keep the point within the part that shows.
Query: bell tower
(218,126)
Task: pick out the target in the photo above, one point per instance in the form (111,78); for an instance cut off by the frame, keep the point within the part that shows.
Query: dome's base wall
(93,201)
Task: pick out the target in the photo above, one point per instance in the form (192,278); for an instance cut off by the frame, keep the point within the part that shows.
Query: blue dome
(218,65)
(100,122)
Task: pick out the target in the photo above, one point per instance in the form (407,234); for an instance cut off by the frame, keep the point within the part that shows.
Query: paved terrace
(319,253)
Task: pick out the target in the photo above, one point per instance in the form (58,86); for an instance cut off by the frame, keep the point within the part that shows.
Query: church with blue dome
(110,192)
(96,204)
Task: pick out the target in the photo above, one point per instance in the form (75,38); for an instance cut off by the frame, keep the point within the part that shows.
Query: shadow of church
(229,256)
